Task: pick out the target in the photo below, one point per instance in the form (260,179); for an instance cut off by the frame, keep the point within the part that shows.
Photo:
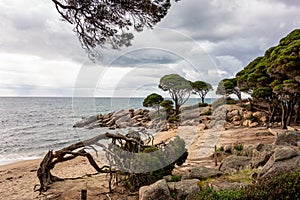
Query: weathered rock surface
(261,153)
(288,138)
(234,163)
(87,121)
(158,191)
(120,119)
(226,185)
(285,158)
(183,188)
(202,173)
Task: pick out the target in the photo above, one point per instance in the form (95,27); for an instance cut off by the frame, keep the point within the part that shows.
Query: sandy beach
(18,179)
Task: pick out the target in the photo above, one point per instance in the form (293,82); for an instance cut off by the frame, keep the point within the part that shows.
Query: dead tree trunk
(79,149)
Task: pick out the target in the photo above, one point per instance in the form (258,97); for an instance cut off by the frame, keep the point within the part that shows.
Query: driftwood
(131,142)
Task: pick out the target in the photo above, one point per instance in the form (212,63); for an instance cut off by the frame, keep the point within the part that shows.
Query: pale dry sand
(18,180)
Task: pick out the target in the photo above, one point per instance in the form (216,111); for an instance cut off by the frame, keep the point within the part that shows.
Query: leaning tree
(109,23)
(255,81)
(153,100)
(178,87)
(275,78)
(131,158)
(201,88)
(229,86)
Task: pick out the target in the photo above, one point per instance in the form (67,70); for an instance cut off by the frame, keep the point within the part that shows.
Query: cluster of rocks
(224,116)
(265,160)
(268,159)
(163,190)
(120,119)
(238,116)
(196,116)
(204,117)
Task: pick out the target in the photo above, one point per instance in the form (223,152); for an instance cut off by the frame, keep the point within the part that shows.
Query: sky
(204,40)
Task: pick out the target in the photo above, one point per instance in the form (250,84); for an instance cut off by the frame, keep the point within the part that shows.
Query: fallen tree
(139,161)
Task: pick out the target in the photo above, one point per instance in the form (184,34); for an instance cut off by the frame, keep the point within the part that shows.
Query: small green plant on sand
(221,148)
(175,178)
(238,147)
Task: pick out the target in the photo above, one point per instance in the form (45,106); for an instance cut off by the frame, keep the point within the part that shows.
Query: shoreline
(20,163)
(18,179)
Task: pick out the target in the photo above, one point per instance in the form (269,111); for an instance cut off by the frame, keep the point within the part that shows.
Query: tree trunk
(297,111)
(283,116)
(44,174)
(202,99)
(78,149)
(177,106)
(272,112)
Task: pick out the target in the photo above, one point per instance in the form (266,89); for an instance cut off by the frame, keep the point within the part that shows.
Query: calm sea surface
(30,126)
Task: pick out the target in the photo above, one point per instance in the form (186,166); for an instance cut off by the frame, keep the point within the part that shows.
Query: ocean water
(30,126)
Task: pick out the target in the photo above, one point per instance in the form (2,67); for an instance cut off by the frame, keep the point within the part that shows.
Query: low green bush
(209,112)
(175,178)
(238,147)
(210,193)
(161,158)
(231,101)
(202,104)
(220,148)
(173,119)
(280,186)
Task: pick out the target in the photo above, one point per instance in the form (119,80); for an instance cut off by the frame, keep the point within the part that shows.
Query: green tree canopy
(178,87)
(109,23)
(283,65)
(167,104)
(255,80)
(201,88)
(228,87)
(275,77)
(153,100)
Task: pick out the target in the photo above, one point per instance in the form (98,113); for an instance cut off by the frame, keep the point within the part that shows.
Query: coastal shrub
(238,147)
(280,186)
(150,149)
(173,119)
(167,104)
(209,112)
(163,158)
(175,178)
(210,193)
(202,104)
(221,148)
(231,101)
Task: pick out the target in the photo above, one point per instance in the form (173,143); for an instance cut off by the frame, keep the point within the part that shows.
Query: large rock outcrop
(120,119)
(158,191)
(285,158)
(202,173)
(184,188)
(234,163)
(288,138)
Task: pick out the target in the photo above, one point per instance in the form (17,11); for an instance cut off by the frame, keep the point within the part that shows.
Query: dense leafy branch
(106,23)
(229,86)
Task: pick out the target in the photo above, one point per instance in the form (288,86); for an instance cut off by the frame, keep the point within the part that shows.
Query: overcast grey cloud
(40,55)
